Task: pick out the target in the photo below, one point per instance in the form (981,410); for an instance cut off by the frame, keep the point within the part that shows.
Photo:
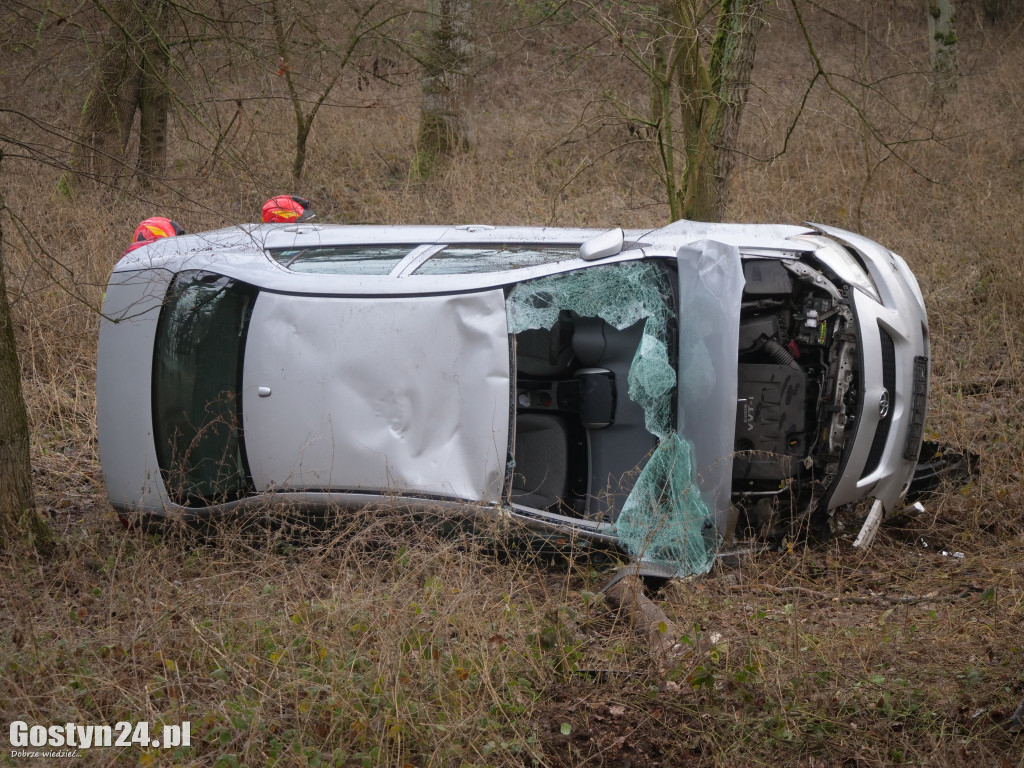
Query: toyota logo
(883,404)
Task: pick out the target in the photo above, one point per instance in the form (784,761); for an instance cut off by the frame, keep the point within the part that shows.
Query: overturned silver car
(664,390)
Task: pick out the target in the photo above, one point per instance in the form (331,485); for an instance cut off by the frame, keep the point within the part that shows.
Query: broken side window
(665,519)
(622,295)
(342,259)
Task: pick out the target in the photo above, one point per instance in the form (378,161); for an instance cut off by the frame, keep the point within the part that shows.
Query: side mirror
(606,244)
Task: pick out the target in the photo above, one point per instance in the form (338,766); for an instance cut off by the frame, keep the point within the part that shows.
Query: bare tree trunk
(131,74)
(942,45)
(154,95)
(651,623)
(724,84)
(732,61)
(697,156)
(697,106)
(661,77)
(304,120)
(446,108)
(301,126)
(1017,719)
(19,520)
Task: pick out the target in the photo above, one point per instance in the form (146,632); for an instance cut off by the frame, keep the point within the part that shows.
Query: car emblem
(883,404)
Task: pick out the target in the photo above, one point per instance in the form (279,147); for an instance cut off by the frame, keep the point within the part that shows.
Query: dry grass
(387,643)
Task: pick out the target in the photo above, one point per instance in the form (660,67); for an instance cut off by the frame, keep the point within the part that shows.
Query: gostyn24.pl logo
(121,734)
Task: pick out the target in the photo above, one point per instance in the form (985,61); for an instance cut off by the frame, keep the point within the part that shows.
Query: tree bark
(1017,719)
(732,61)
(19,520)
(698,106)
(303,120)
(647,619)
(711,91)
(446,107)
(154,95)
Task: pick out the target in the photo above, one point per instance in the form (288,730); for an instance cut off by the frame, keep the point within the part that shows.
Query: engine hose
(780,354)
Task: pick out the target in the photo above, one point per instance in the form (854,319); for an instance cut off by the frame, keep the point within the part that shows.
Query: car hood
(399,395)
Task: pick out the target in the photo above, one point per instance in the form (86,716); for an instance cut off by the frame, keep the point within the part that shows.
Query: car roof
(243,251)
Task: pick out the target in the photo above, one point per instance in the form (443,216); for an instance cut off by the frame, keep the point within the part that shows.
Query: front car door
(407,395)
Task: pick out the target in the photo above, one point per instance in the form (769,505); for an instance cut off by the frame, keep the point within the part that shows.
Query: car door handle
(263,391)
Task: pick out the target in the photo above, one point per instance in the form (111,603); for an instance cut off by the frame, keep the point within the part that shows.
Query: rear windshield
(197,370)
(342,259)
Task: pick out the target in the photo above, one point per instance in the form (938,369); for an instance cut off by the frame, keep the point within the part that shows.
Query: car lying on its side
(662,390)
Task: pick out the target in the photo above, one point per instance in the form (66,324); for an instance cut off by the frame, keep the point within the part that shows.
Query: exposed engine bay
(797,393)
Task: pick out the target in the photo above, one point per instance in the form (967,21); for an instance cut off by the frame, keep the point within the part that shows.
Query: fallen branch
(1016,723)
(645,617)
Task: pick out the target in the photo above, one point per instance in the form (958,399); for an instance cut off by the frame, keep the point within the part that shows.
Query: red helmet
(152,229)
(286,208)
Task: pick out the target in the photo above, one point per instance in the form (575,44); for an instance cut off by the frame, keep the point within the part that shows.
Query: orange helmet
(152,229)
(286,208)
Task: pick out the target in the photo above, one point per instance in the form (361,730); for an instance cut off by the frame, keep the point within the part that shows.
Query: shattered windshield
(665,519)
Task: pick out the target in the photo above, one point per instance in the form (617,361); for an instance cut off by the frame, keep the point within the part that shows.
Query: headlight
(843,263)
